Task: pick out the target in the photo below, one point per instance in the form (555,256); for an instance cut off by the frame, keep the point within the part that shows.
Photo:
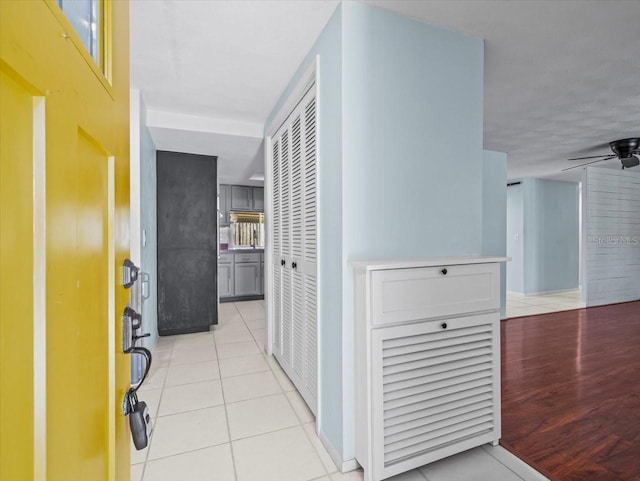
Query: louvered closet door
(310,242)
(276,249)
(295,215)
(434,386)
(297,299)
(285,236)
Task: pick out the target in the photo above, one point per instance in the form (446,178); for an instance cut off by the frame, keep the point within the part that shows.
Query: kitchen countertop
(243,250)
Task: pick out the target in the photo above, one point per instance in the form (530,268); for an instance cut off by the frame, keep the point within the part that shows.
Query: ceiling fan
(624,149)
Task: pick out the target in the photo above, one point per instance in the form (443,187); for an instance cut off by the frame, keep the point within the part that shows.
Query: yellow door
(64,179)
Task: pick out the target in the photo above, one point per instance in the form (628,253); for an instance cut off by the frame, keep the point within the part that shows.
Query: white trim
(343,466)
(319,351)
(541,293)
(296,95)
(39,291)
(268,255)
(111,300)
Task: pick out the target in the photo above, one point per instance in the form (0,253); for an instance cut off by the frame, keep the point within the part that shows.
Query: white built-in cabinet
(427,360)
(294,247)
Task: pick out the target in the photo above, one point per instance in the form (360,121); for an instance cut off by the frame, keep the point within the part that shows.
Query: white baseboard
(343,466)
(543,292)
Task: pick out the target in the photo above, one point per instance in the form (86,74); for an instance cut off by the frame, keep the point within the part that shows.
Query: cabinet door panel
(225,194)
(225,280)
(241,197)
(247,279)
(258,198)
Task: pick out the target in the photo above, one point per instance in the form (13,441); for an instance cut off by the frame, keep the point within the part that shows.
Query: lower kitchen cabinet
(240,276)
(247,279)
(225,280)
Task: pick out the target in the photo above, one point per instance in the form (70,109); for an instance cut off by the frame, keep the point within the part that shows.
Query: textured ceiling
(560,76)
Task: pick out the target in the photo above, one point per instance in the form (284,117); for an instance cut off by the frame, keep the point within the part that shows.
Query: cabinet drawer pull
(444,325)
(444,271)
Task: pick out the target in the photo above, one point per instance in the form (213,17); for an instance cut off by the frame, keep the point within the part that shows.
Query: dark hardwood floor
(571,392)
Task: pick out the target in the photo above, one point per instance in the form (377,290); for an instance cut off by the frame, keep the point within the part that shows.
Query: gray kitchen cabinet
(225,275)
(225,197)
(258,198)
(247,279)
(262,274)
(241,197)
(240,275)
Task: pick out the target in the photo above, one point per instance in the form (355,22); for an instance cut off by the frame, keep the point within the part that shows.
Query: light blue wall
(401,167)
(148,223)
(551,235)
(412,150)
(329,49)
(515,238)
(494,214)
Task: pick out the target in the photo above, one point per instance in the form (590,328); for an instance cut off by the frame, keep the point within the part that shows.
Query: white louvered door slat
(285,230)
(294,160)
(310,250)
(297,308)
(276,249)
(434,387)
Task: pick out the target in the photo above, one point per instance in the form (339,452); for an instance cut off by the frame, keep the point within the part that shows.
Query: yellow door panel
(66,375)
(16,282)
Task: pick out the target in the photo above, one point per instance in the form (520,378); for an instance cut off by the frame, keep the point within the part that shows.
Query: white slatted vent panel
(311,318)
(438,390)
(296,190)
(285,196)
(285,233)
(277,331)
(310,184)
(298,323)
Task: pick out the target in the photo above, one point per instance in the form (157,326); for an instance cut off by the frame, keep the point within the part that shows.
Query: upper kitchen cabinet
(258,198)
(241,197)
(225,200)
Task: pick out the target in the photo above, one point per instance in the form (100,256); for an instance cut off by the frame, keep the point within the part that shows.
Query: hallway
(224,411)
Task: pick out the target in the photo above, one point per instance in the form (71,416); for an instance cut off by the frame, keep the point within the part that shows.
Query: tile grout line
(224,403)
(146,456)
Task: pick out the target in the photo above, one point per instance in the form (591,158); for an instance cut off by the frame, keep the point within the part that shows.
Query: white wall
(610,235)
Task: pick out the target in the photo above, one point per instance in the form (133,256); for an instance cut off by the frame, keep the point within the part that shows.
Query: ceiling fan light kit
(623,149)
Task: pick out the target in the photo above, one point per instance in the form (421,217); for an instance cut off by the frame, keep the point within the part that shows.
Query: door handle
(294,265)
(283,262)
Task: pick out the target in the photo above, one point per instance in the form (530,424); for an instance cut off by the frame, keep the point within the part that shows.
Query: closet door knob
(294,265)
(283,262)
(444,272)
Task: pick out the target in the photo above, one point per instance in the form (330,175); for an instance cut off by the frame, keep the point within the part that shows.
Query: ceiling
(560,77)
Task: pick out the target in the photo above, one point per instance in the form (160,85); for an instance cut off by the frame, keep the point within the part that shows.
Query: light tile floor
(224,411)
(522,305)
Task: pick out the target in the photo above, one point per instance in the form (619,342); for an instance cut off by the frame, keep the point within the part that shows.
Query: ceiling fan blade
(594,148)
(592,157)
(587,163)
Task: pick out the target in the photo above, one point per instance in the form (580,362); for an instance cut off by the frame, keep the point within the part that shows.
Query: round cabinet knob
(444,325)
(444,271)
